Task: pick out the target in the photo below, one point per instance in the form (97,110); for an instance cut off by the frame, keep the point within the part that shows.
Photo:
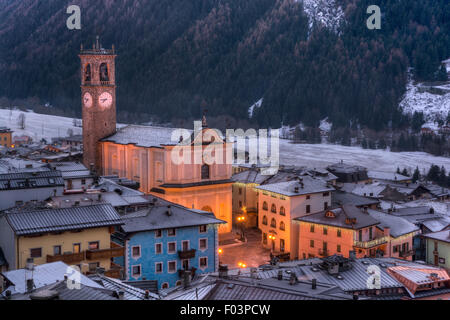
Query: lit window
(94,245)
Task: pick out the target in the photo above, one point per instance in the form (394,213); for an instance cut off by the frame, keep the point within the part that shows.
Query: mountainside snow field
(40,126)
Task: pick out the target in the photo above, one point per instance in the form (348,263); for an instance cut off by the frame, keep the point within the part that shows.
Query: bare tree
(21,121)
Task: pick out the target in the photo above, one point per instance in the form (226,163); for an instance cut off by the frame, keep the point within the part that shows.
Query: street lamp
(241,220)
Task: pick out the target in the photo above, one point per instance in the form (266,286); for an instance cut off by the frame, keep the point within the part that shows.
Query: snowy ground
(311,155)
(321,155)
(38,126)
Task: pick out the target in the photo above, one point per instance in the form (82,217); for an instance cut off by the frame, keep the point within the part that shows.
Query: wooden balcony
(405,254)
(105,253)
(371,243)
(70,258)
(187,254)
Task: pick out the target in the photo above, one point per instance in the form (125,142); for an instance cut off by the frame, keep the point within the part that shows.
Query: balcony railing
(104,253)
(371,243)
(186,254)
(405,254)
(69,258)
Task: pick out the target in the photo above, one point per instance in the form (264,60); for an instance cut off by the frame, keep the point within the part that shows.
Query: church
(144,153)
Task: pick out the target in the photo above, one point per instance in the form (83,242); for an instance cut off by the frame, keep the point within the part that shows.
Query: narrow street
(250,253)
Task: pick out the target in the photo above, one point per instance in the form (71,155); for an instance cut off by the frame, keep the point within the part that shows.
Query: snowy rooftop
(398,226)
(143,136)
(307,185)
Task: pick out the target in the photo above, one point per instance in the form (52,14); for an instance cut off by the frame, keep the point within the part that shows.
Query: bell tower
(98,100)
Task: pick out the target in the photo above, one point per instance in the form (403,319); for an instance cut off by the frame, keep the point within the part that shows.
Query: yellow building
(78,236)
(5,137)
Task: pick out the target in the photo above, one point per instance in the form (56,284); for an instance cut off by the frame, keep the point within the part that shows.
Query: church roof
(144,136)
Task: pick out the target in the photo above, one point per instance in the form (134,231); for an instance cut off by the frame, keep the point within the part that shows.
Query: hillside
(307,60)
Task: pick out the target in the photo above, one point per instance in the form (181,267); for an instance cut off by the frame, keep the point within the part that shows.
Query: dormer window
(330,214)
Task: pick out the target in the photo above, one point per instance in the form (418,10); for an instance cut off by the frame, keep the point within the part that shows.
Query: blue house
(167,240)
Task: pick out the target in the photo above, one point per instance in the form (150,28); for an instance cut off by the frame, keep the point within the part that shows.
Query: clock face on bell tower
(98,101)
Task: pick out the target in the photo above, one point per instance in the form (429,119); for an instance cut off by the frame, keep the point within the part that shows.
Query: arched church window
(104,72)
(282,211)
(87,73)
(205,171)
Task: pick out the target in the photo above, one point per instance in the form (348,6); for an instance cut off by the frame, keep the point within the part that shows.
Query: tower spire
(204,123)
(97,46)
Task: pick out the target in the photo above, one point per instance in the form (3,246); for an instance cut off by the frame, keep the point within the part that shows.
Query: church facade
(145,153)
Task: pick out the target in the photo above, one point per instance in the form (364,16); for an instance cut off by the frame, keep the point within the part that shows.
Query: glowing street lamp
(242,265)
(220,251)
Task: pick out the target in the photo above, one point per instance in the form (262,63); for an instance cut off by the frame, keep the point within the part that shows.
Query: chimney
(223,271)
(121,295)
(99,197)
(169,211)
(280,275)
(295,189)
(30,264)
(186,279)
(314,283)
(147,294)
(293,279)
(30,285)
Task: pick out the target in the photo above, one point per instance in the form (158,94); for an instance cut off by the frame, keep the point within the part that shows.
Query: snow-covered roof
(144,136)
(398,226)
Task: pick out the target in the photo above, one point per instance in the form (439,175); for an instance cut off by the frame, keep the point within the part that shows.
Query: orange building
(5,137)
(350,229)
(144,153)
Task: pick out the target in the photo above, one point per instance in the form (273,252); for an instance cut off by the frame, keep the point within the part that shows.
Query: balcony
(104,253)
(69,258)
(405,254)
(371,243)
(186,254)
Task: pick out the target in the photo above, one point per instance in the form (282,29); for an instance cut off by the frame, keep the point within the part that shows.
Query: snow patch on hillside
(256,105)
(432,100)
(325,125)
(326,12)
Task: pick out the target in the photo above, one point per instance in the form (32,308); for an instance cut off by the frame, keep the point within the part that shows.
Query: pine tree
(405,172)
(398,170)
(364,144)
(416,175)
(434,173)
